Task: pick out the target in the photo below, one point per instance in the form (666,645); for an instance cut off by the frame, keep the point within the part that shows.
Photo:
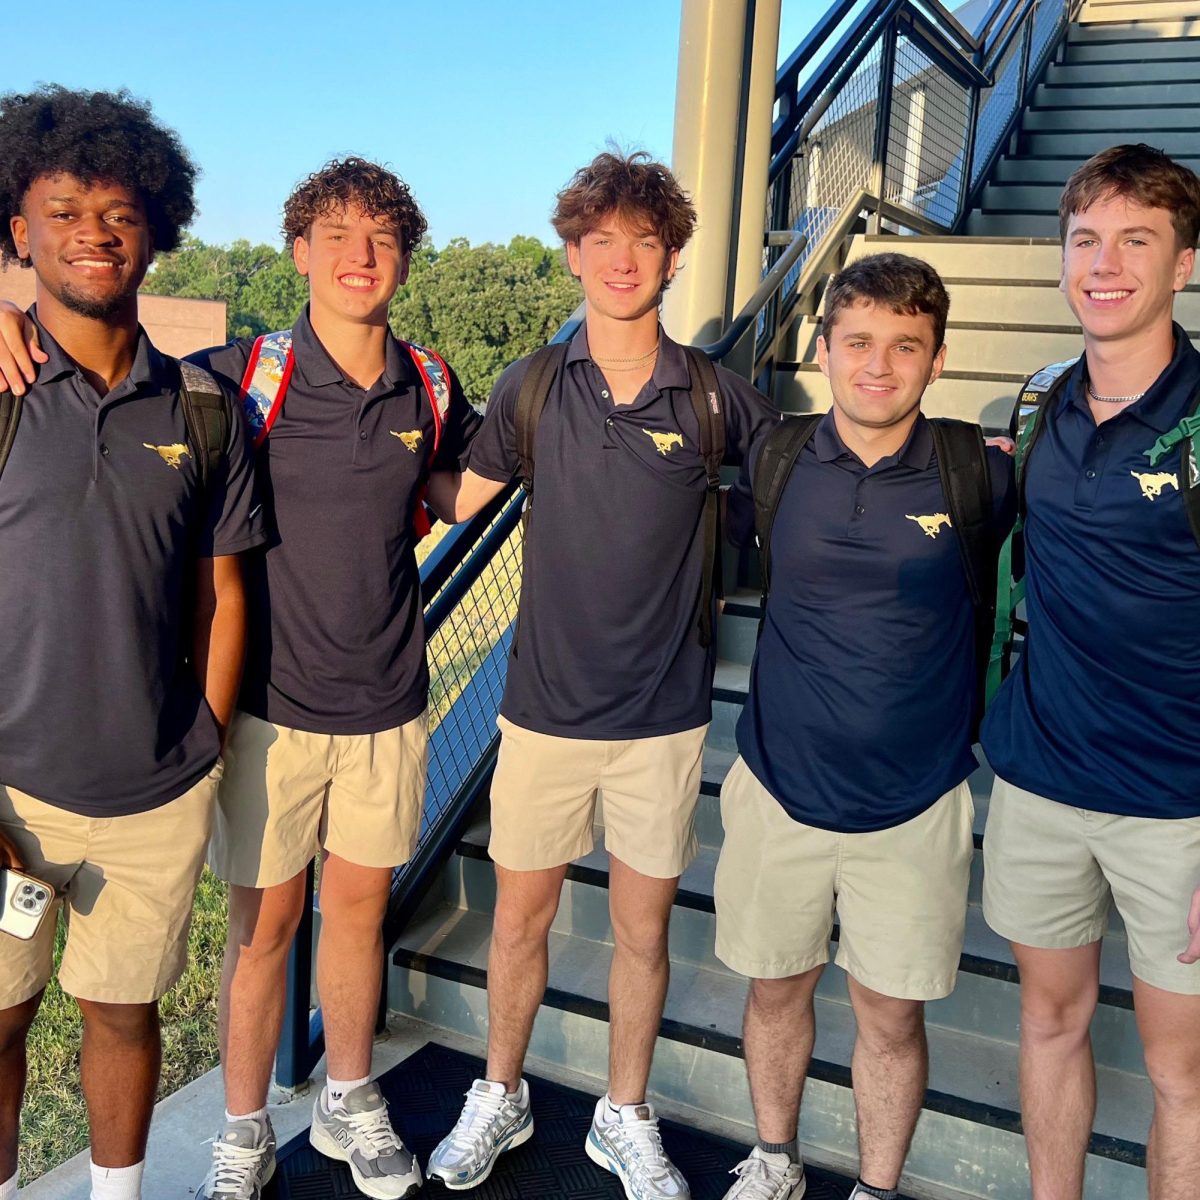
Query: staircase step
(1119,124)
(1100,75)
(1006,224)
(967,1137)
(1174,12)
(1134,30)
(1129,50)
(974,258)
(1140,94)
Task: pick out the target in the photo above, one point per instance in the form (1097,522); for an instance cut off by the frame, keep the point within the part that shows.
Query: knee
(132,1024)
(643,939)
(262,931)
(887,1024)
(1054,1017)
(518,926)
(781,996)
(15,1023)
(1174,1076)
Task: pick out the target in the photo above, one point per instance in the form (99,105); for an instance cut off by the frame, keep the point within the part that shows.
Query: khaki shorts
(545,789)
(126,885)
(1051,871)
(900,894)
(288,794)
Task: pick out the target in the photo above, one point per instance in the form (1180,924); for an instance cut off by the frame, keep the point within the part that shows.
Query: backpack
(269,371)
(544,367)
(966,483)
(206,413)
(1039,396)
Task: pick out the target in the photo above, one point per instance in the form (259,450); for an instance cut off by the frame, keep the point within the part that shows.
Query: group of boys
(214,645)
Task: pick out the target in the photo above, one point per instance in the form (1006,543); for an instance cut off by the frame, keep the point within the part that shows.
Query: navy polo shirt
(608,645)
(337,635)
(101,520)
(863,683)
(1103,709)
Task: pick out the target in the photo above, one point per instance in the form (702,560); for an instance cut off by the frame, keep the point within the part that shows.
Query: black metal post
(294,1057)
(883,120)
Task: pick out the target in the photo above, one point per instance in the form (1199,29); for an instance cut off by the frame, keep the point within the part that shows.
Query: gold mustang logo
(932,524)
(412,438)
(664,443)
(1152,485)
(172,454)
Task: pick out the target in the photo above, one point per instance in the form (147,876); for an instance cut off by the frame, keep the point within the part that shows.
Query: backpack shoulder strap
(1185,435)
(265,382)
(1040,389)
(967,485)
(544,366)
(208,414)
(10,414)
(435,375)
(775,462)
(705,394)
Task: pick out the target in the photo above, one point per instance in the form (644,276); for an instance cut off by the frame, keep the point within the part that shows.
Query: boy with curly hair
(119,538)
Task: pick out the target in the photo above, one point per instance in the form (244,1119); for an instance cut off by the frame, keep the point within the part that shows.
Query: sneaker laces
(233,1165)
(473,1129)
(755,1181)
(644,1139)
(375,1129)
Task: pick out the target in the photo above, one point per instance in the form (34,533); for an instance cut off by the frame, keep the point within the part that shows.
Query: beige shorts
(900,894)
(1051,871)
(288,794)
(545,789)
(126,885)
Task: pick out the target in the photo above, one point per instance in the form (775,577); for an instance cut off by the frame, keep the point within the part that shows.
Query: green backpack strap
(10,414)
(780,450)
(1185,435)
(1036,397)
(705,394)
(208,414)
(967,485)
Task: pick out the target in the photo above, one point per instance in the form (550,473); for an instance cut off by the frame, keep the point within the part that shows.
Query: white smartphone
(24,903)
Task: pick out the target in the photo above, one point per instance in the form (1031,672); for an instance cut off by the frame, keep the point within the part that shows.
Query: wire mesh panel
(927,135)
(996,107)
(1048,20)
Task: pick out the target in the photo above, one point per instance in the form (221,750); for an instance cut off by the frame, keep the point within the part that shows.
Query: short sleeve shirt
(862,690)
(336,632)
(102,518)
(608,644)
(1102,711)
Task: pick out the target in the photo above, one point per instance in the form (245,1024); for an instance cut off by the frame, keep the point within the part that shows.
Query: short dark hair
(633,185)
(897,281)
(98,137)
(1139,173)
(380,193)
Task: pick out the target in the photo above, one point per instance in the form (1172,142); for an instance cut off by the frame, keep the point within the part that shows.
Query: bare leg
(1170,1029)
(119,1065)
(1059,990)
(777,1034)
(526,902)
(890,1068)
(350,961)
(640,908)
(262,923)
(14,1029)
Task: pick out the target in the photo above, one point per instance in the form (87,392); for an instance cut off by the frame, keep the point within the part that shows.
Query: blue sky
(484,106)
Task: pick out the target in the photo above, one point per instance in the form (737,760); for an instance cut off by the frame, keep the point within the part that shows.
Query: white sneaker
(632,1150)
(765,1176)
(243,1162)
(361,1135)
(490,1123)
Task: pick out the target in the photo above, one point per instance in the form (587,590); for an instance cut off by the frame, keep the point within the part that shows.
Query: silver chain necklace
(1095,395)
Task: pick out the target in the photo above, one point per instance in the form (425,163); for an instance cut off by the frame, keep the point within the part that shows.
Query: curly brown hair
(341,182)
(636,187)
(1139,173)
(894,281)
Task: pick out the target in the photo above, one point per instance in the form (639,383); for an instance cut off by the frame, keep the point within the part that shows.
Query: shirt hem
(127,808)
(1089,802)
(355,727)
(682,725)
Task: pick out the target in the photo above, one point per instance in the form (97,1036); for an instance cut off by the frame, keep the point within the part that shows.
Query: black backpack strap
(208,414)
(778,456)
(710,418)
(10,414)
(544,366)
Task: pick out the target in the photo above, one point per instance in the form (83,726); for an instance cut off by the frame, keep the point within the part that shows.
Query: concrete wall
(175,326)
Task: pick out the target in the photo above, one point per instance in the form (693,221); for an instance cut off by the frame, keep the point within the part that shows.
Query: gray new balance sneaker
(765,1176)
(361,1135)
(489,1124)
(243,1161)
(632,1150)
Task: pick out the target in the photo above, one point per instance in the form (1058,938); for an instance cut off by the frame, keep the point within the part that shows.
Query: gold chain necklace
(641,358)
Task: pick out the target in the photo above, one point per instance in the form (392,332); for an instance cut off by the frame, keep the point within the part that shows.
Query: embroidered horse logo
(411,438)
(932,524)
(1153,484)
(172,454)
(664,443)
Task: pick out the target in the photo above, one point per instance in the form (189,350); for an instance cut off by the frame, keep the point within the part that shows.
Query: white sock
(610,1114)
(8,1189)
(336,1089)
(117,1183)
(259,1115)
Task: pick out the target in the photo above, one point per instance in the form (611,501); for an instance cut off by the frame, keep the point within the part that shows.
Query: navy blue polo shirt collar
(149,367)
(1159,407)
(670,369)
(915,453)
(318,369)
